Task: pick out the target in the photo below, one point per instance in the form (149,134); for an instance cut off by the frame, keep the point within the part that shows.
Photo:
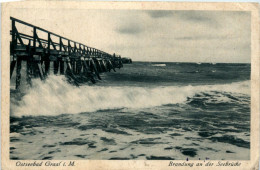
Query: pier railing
(80,63)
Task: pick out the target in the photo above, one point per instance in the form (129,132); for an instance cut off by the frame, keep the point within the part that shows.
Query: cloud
(129,29)
(199,17)
(204,37)
(196,16)
(190,36)
(159,13)
(154,35)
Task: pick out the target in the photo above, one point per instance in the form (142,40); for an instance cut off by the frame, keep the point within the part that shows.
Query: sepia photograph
(129,84)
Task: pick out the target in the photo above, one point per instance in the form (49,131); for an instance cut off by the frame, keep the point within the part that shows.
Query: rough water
(153,111)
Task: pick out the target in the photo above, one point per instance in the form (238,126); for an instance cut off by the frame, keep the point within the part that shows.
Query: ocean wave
(55,96)
(159,65)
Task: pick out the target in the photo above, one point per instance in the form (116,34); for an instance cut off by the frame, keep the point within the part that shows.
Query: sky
(152,35)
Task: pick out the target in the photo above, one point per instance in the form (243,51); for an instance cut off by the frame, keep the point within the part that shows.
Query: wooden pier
(77,61)
(126,60)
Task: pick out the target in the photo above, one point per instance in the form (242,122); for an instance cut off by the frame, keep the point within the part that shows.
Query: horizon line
(194,62)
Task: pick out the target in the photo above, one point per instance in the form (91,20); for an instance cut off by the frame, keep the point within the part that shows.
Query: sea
(143,111)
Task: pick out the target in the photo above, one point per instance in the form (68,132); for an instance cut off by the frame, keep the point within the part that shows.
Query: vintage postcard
(130,85)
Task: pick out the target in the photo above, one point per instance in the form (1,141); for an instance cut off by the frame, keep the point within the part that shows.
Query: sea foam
(159,65)
(56,96)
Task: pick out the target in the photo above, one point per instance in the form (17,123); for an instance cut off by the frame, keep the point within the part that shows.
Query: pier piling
(78,62)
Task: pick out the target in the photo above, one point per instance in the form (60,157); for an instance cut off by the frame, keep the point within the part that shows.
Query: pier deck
(80,63)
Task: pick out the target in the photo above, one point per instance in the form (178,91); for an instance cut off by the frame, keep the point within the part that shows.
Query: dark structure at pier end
(126,60)
(77,61)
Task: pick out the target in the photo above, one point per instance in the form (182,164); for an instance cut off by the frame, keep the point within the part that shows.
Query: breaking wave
(159,65)
(56,96)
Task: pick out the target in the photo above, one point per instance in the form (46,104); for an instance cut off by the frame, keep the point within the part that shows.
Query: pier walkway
(77,61)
